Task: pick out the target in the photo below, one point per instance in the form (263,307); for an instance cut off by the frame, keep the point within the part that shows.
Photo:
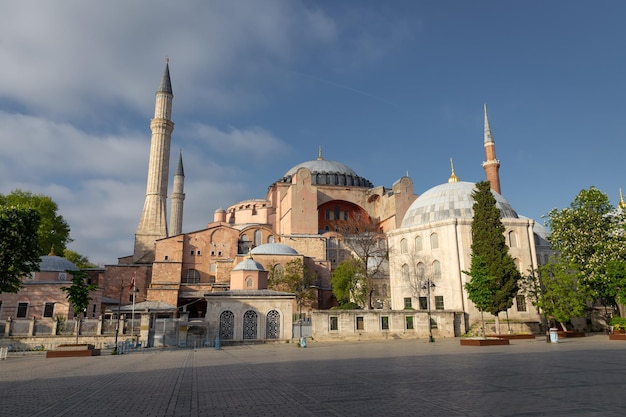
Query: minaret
(491,164)
(622,203)
(453,177)
(178,196)
(153,223)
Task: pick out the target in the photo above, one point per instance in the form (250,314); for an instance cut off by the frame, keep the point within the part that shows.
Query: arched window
(512,239)
(249,282)
(272,325)
(250,325)
(403,248)
(418,243)
(270,239)
(518,263)
(227,325)
(421,271)
(258,237)
(434,241)
(191,276)
(436,270)
(405,272)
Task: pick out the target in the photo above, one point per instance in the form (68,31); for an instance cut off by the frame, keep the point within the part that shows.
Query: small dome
(273,249)
(452,200)
(249,264)
(56,264)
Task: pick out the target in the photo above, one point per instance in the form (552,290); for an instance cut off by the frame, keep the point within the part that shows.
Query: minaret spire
(153,222)
(319,154)
(178,196)
(453,177)
(622,203)
(491,164)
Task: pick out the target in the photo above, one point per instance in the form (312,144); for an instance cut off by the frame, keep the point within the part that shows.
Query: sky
(387,88)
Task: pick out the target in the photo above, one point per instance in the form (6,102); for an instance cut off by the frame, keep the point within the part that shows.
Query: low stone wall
(384,324)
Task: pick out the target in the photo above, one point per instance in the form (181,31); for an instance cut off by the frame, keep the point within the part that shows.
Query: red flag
(132,281)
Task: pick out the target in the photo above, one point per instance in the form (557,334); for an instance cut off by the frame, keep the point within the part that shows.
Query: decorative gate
(272,325)
(250,325)
(227,325)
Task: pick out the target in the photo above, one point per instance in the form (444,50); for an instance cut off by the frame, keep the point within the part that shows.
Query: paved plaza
(580,377)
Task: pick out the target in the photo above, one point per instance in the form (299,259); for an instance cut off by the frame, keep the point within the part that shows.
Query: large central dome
(449,201)
(324,172)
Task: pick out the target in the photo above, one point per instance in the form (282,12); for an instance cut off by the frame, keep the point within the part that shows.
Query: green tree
(77,259)
(348,282)
(53,232)
(295,278)
(588,235)
(78,294)
(488,243)
(560,296)
(19,248)
(479,288)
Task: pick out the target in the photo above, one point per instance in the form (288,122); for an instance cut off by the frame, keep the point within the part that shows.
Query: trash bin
(554,335)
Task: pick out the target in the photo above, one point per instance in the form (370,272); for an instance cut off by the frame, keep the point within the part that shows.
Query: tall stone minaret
(491,164)
(153,223)
(178,196)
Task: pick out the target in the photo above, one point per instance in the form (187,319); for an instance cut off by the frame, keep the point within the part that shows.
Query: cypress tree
(489,244)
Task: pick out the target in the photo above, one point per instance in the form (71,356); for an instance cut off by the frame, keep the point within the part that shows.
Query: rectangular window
(409,322)
(334,325)
(439,302)
(433,323)
(93,312)
(521,302)
(192,253)
(48,309)
(213,268)
(359,323)
(407,302)
(384,323)
(423,303)
(328,214)
(21,309)
(198,253)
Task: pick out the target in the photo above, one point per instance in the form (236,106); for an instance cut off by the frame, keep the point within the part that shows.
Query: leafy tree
(77,259)
(53,232)
(588,235)
(348,282)
(78,294)
(295,278)
(368,244)
(561,296)
(479,288)
(488,243)
(19,249)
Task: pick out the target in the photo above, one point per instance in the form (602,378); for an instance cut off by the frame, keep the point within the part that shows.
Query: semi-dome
(273,249)
(324,172)
(248,264)
(452,200)
(56,264)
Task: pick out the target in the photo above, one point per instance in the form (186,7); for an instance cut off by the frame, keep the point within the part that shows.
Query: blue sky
(384,87)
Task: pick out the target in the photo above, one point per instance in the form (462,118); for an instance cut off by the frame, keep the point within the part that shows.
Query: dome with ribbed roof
(452,200)
(248,264)
(56,264)
(324,172)
(273,249)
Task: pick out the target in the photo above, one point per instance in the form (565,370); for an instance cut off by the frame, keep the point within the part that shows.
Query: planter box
(513,336)
(67,351)
(570,333)
(617,336)
(484,342)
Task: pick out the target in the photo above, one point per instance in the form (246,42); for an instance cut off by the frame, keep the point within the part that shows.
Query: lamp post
(427,287)
(117,326)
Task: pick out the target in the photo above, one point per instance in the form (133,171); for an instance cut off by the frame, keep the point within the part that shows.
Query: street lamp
(117,326)
(429,284)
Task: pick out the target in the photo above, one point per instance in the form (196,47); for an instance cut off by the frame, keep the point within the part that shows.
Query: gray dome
(273,249)
(325,172)
(449,201)
(249,264)
(56,264)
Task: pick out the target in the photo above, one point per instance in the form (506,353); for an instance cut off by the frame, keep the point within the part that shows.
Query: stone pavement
(580,377)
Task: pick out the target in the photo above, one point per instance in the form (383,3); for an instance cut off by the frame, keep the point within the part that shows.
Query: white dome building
(433,246)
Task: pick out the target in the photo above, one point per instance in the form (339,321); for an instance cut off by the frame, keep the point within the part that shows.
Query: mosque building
(428,238)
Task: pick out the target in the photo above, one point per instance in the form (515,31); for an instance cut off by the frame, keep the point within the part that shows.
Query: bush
(618,323)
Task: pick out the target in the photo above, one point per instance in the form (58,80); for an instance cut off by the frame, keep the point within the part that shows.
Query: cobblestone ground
(580,377)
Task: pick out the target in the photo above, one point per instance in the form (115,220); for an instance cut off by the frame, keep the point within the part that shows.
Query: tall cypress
(489,243)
